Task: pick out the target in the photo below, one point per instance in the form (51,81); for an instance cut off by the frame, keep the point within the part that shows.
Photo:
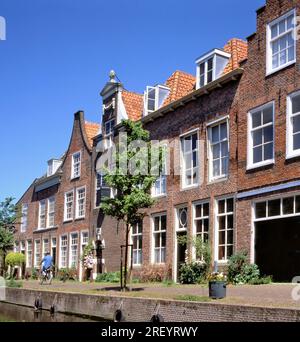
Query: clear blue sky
(58,54)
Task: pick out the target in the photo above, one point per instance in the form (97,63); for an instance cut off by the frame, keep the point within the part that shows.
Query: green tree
(132,186)
(9,213)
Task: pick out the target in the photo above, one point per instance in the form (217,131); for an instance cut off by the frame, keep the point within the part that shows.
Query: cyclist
(47,262)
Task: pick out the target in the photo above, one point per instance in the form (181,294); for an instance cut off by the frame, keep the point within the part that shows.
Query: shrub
(15,259)
(65,274)
(192,273)
(261,281)
(235,264)
(249,272)
(13,283)
(109,277)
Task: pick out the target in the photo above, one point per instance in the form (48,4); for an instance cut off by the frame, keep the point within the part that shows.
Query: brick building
(234,179)
(56,208)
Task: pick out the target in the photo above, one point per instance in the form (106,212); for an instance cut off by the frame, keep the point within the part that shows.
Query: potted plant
(217,285)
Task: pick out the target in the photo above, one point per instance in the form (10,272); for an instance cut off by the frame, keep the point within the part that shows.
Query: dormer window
(211,66)
(53,165)
(154,98)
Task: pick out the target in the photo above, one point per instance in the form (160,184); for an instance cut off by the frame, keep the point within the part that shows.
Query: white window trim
(35,264)
(209,126)
(182,165)
(48,212)
(161,194)
(72,171)
(65,206)
(158,232)
(76,203)
(140,249)
(156,104)
(216,229)
(213,54)
(194,228)
(39,223)
(60,254)
(70,249)
(250,164)
(81,239)
(269,69)
(272,198)
(27,258)
(24,228)
(43,246)
(290,152)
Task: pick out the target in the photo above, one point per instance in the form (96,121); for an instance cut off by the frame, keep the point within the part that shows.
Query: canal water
(19,313)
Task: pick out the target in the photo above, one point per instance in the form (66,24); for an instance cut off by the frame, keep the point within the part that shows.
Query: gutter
(219,83)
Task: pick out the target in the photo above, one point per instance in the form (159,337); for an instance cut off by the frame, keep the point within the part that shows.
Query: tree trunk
(126,257)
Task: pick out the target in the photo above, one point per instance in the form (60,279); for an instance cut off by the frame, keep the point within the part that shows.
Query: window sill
(261,164)
(271,72)
(68,221)
(74,178)
(292,155)
(218,180)
(159,196)
(79,218)
(189,187)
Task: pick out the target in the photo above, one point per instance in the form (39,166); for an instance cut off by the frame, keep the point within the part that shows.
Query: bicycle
(46,276)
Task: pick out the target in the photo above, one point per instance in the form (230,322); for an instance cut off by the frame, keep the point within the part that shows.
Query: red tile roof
(91,130)
(182,83)
(238,49)
(133,103)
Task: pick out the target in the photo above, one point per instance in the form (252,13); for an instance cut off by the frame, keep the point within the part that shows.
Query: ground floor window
(37,253)
(137,242)
(278,207)
(29,254)
(159,238)
(201,223)
(84,240)
(225,224)
(46,248)
(63,251)
(74,250)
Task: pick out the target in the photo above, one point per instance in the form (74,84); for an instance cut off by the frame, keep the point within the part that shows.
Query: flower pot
(217,289)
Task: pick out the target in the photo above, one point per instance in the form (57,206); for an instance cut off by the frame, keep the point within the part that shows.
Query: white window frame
(66,218)
(100,186)
(182,160)
(77,216)
(159,232)
(269,55)
(162,179)
(139,248)
(211,55)
(73,174)
(290,152)
(200,218)
(24,222)
(109,135)
(281,215)
(71,250)
(156,90)
(29,253)
(250,164)
(44,247)
(83,243)
(42,214)
(36,263)
(51,213)
(217,215)
(210,126)
(65,249)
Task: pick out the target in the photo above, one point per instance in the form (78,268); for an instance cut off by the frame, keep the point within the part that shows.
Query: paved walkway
(273,295)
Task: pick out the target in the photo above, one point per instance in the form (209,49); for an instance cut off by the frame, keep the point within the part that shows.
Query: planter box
(217,289)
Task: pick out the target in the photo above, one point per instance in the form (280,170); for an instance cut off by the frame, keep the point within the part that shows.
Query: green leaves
(133,189)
